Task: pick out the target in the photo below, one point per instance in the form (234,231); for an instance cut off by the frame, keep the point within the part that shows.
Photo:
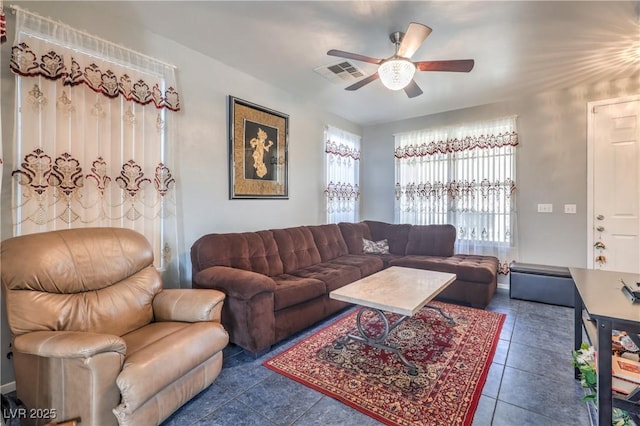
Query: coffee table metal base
(378,341)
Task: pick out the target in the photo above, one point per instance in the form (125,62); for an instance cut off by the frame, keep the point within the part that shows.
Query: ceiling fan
(396,72)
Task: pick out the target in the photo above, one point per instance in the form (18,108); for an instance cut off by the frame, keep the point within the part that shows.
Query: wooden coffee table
(398,290)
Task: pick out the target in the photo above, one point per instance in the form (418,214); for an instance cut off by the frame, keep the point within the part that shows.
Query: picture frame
(258,151)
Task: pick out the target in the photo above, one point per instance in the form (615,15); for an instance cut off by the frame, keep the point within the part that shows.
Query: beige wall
(551,165)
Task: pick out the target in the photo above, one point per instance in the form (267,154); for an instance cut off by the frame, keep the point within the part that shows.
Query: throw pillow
(375,247)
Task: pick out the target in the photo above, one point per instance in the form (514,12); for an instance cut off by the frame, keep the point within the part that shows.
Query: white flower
(586,356)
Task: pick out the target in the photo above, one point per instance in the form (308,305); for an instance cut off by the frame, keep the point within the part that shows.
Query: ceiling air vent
(340,72)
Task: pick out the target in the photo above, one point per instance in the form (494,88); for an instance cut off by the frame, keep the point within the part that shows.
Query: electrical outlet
(570,208)
(545,208)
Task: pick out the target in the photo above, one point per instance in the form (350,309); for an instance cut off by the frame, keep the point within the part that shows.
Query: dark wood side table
(601,306)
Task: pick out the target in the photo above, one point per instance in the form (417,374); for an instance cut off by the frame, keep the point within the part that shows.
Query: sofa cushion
(396,234)
(483,269)
(297,248)
(329,241)
(366,263)
(87,279)
(117,309)
(431,240)
(251,251)
(353,233)
(333,275)
(291,290)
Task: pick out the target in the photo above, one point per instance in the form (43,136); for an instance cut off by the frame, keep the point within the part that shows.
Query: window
(465,176)
(342,190)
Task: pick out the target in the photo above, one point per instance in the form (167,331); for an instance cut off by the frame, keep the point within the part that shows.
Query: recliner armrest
(188,305)
(236,283)
(68,344)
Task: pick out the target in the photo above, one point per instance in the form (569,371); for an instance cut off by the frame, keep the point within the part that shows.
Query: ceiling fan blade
(412,89)
(354,56)
(363,82)
(462,65)
(414,37)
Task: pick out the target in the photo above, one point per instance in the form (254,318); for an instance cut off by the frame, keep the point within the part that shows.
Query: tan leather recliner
(94,334)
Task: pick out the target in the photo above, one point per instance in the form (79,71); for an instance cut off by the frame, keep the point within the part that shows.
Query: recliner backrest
(89,279)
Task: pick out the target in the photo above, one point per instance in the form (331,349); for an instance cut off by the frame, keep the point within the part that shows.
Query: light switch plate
(545,208)
(570,208)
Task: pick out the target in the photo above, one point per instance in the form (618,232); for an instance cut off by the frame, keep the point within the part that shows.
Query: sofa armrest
(188,305)
(236,283)
(68,344)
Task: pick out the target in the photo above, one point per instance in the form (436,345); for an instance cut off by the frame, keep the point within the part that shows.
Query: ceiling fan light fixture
(396,73)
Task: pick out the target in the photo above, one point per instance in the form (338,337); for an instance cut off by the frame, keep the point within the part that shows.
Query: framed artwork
(258,145)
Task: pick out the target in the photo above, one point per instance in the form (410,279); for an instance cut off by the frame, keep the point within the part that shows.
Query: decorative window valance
(36,53)
(456,145)
(447,140)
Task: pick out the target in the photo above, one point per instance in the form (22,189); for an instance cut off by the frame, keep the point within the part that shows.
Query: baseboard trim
(503,285)
(8,387)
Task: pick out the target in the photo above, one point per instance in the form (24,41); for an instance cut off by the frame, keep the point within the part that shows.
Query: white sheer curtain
(94,138)
(342,191)
(464,175)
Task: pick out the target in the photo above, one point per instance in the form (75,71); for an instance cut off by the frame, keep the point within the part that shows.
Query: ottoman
(541,283)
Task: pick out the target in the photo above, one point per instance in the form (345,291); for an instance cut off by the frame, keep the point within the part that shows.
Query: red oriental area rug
(452,362)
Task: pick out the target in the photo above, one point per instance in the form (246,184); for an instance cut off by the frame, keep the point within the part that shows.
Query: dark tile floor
(530,381)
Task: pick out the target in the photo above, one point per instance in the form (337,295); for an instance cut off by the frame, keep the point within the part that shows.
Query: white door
(615,170)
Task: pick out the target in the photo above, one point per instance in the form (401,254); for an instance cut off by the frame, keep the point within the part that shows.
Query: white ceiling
(519,47)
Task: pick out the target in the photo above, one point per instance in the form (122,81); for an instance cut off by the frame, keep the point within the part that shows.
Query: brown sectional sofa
(277,282)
